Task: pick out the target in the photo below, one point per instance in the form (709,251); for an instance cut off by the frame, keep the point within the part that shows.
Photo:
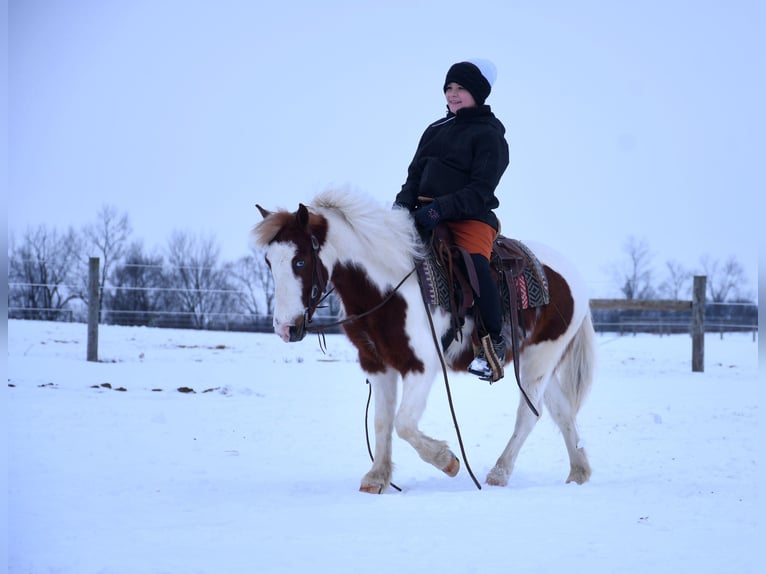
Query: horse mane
(360,230)
(379,232)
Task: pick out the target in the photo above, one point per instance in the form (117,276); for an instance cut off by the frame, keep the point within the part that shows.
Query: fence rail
(617,315)
(641,304)
(696,306)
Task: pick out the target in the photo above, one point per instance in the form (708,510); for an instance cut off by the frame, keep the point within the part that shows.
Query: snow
(260,473)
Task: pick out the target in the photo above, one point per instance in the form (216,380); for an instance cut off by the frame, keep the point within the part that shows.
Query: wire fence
(113,289)
(719,317)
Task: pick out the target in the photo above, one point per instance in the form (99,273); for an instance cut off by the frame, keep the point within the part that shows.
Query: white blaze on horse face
(288,303)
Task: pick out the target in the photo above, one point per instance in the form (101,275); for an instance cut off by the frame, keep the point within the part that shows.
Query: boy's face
(458,97)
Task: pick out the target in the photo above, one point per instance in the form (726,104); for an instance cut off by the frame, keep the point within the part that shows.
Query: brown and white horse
(365,250)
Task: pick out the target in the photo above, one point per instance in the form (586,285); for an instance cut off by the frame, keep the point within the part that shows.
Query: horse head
(293,242)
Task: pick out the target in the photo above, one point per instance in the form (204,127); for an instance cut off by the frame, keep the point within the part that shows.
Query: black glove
(402,201)
(427,216)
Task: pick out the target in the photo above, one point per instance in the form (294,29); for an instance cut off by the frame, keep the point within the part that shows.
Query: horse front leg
(415,390)
(384,391)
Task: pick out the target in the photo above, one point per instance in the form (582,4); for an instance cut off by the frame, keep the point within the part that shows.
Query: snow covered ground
(258,469)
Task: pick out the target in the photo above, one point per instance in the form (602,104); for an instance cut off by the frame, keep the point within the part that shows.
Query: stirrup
(489,362)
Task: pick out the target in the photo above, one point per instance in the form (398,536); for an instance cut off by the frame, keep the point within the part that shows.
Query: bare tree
(724,280)
(635,276)
(253,278)
(139,293)
(200,283)
(40,272)
(106,239)
(677,282)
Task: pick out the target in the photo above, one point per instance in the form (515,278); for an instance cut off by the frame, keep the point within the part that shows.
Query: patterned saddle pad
(531,283)
(434,282)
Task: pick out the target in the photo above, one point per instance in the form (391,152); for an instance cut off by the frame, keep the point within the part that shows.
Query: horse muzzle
(292,333)
(297,332)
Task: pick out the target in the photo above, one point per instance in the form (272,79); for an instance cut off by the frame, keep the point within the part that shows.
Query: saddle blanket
(531,284)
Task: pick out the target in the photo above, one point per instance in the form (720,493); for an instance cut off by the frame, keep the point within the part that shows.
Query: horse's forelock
(265,231)
(287,223)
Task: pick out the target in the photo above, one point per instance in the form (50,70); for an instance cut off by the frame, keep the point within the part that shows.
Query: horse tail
(578,364)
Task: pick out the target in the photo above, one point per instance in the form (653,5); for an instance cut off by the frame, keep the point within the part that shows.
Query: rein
(320,328)
(444,373)
(319,293)
(449,394)
(367,429)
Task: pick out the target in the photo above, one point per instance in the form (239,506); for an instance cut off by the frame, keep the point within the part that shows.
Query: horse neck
(382,266)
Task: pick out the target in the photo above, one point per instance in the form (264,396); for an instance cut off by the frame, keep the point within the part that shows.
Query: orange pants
(473,236)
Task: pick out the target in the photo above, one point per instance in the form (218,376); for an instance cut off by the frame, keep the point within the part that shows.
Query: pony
(368,252)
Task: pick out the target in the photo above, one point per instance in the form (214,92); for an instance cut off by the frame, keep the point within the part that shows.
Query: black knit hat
(468,75)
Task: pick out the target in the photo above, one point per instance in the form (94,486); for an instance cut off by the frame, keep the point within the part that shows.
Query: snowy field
(113,470)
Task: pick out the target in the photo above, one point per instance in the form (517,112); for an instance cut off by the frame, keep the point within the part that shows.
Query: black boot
(488,299)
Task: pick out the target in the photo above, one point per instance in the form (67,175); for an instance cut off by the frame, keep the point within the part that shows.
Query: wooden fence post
(93,266)
(698,324)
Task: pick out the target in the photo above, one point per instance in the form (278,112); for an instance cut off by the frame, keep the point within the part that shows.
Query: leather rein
(319,293)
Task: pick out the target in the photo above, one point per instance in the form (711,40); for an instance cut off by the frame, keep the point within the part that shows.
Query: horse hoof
(497,477)
(452,468)
(580,476)
(371,488)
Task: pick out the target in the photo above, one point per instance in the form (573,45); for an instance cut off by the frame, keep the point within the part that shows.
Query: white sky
(638,118)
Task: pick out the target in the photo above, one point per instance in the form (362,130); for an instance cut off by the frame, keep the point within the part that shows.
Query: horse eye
(300,263)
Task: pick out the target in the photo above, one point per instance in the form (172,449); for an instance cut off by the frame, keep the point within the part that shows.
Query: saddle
(448,280)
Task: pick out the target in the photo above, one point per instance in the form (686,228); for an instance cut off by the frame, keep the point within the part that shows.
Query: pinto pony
(368,252)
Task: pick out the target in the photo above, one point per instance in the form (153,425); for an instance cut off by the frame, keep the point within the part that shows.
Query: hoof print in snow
(185,390)
(106,385)
(121,389)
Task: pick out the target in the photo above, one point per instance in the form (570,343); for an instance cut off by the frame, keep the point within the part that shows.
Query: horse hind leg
(535,374)
(525,422)
(378,478)
(568,390)
(564,412)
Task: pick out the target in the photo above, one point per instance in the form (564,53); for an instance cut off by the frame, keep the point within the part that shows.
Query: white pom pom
(487,69)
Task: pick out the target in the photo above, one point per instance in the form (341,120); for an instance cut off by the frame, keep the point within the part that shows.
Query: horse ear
(302,215)
(264,212)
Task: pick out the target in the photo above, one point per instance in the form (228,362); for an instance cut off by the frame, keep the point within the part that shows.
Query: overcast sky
(631,118)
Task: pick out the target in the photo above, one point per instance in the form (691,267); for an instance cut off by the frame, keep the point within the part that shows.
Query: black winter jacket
(459,161)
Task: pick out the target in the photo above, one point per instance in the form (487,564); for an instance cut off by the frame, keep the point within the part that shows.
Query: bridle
(319,283)
(319,293)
